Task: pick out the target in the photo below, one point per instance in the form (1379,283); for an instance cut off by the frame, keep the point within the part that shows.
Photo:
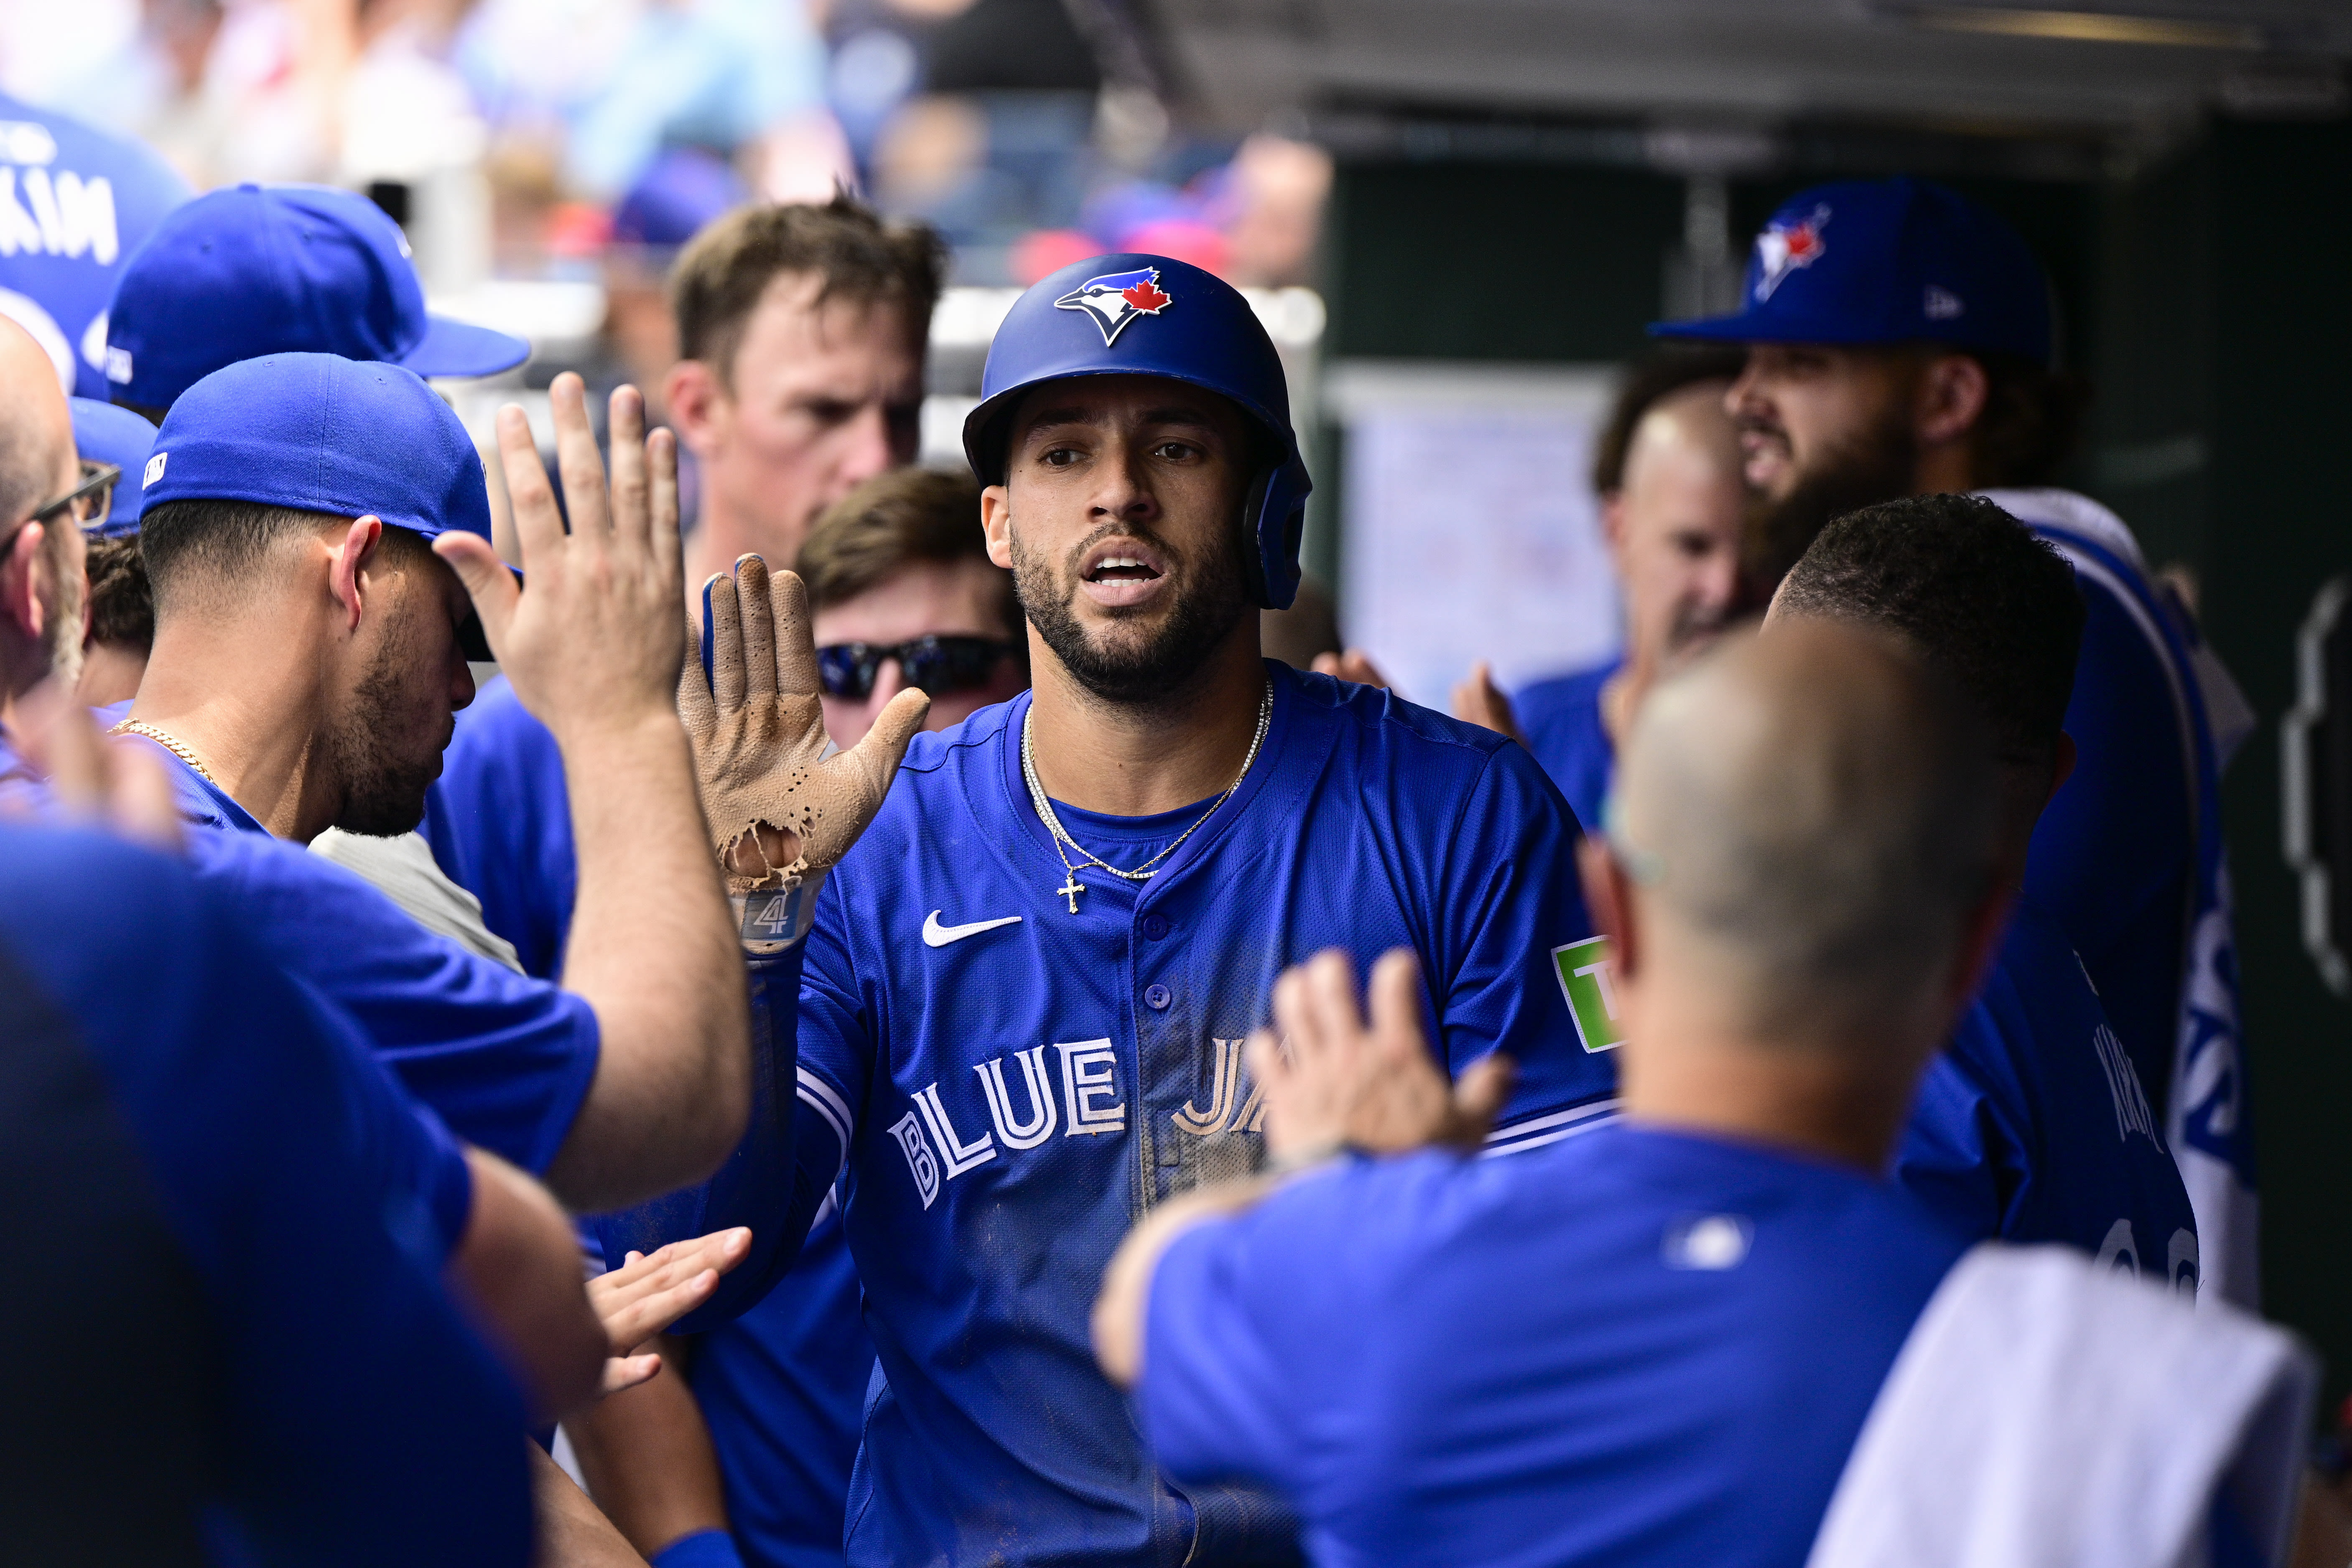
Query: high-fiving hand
(591,636)
(1332,1083)
(650,1291)
(778,806)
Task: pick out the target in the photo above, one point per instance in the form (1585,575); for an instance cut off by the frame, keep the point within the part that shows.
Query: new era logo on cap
(1116,299)
(155,469)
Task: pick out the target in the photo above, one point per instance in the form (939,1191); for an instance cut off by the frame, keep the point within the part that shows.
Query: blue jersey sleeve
(1512,899)
(362,1421)
(504,1059)
(1959,1155)
(1242,1379)
(809,1035)
(500,821)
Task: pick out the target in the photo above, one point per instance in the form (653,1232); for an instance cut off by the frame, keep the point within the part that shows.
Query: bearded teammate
(1024,997)
(1900,341)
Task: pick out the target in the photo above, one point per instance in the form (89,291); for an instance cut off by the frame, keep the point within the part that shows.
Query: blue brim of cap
(460,348)
(1765,328)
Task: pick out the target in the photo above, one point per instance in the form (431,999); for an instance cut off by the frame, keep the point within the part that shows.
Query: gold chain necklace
(1071,887)
(141,727)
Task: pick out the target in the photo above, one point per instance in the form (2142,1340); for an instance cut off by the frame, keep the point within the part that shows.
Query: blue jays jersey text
(75,201)
(1010,1084)
(2032,1124)
(1637,1347)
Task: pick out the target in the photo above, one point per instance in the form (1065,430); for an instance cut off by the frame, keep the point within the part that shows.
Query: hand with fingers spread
(591,635)
(779,807)
(649,1292)
(1332,1083)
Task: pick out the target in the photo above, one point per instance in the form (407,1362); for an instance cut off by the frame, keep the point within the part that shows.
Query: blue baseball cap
(105,434)
(270,270)
(685,189)
(1887,261)
(322,433)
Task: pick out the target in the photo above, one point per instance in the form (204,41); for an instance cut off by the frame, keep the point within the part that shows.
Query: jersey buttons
(1157,998)
(1155,926)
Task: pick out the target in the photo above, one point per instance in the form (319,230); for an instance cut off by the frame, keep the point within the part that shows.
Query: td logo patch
(1116,299)
(1587,979)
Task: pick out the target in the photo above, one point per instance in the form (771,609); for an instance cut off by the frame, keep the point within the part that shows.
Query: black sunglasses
(937,665)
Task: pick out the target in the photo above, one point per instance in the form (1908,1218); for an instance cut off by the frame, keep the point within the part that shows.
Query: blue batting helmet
(1150,315)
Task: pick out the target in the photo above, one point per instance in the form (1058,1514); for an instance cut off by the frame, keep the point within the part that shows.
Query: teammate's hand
(1478,701)
(1333,1083)
(649,1292)
(778,806)
(1354,665)
(117,785)
(590,638)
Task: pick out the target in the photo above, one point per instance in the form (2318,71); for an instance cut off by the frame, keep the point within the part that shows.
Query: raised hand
(779,808)
(1332,1082)
(650,1291)
(590,636)
(1478,701)
(1354,665)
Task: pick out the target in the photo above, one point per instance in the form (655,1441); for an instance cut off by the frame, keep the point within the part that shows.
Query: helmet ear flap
(1253,542)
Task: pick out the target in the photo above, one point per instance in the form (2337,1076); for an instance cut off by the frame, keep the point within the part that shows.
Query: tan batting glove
(782,811)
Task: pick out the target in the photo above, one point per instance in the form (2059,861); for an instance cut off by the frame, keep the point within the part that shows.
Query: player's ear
(996,524)
(692,390)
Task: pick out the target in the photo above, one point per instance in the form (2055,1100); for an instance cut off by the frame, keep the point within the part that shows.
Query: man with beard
(1667,473)
(315,527)
(41,545)
(1024,998)
(1900,341)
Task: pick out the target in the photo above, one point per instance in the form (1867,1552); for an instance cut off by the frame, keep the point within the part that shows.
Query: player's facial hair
(384,792)
(1210,600)
(1877,464)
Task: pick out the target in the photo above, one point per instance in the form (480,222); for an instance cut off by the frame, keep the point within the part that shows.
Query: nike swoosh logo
(937,935)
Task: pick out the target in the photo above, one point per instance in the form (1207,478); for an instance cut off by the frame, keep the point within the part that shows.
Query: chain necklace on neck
(141,727)
(1071,887)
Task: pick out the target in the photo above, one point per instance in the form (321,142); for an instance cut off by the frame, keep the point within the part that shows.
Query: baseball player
(1024,997)
(2031,1125)
(1900,341)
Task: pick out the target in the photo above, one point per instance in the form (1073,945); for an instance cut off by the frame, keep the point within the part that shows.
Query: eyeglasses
(937,665)
(89,502)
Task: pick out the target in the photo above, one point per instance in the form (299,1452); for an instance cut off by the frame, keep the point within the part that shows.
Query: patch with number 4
(1589,980)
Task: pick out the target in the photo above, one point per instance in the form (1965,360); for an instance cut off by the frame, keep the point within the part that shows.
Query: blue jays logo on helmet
(1115,299)
(1786,245)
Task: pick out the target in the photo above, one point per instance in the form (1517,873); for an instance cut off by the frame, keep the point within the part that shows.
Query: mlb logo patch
(1116,299)
(1783,248)
(1586,978)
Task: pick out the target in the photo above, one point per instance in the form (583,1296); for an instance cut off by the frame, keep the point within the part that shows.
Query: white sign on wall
(1471,527)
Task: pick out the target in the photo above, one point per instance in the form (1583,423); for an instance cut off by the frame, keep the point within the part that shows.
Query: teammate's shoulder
(1383,719)
(36,135)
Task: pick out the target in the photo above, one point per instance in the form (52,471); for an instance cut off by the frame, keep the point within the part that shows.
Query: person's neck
(1135,759)
(1680,1069)
(1948,468)
(722,536)
(245,695)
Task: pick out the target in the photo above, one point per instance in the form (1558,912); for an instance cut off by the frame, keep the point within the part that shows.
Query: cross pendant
(1071,889)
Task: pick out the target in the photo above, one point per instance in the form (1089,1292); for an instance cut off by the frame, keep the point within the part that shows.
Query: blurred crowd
(507,130)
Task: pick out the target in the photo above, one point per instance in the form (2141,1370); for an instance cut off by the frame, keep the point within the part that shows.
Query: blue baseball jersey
(1639,1347)
(2031,1125)
(783,1389)
(1005,1083)
(1562,720)
(2131,861)
(75,201)
(320,1399)
(500,821)
(505,1060)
